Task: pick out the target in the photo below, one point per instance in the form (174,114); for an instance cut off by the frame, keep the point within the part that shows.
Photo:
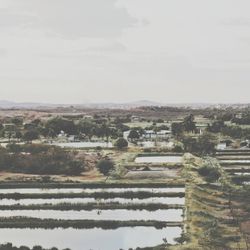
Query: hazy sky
(73,51)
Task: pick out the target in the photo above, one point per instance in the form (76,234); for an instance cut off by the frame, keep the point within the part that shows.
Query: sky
(170,51)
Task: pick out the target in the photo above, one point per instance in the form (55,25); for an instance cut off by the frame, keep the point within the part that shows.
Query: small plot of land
(153,174)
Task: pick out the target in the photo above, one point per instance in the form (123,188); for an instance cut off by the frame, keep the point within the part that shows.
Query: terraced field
(236,163)
(97,218)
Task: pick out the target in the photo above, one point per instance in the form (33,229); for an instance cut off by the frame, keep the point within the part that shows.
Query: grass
(26,222)
(110,184)
(208,203)
(92,206)
(129,195)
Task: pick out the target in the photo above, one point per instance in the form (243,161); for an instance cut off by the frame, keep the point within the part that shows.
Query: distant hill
(5,104)
(32,105)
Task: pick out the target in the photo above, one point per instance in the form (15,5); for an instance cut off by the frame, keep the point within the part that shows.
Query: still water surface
(94,239)
(159,159)
(116,214)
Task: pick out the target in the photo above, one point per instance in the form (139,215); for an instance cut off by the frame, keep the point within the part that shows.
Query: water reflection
(95,239)
(159,159)
(116,214)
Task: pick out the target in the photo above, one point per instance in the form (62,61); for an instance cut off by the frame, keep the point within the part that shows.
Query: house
(135,118)
(201,127)
(162,134)
(88,117)
(221,146)
(62,137)
(238,116)
(9,126)
(149,134)
(224,144)
(126,134)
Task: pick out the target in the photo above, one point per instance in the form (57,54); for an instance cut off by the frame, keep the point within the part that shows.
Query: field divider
(92,206)
(129,195)
(91,185)
(28,222)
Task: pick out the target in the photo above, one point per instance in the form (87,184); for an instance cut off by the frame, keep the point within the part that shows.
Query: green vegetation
(203,145)
(209,171)
(26,222)
(121,143)
(9,246)
(39,159)
(104,195)
(105,167)
(91,206)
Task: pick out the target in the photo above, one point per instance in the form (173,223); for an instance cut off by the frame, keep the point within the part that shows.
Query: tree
(19,135)
(105,166)
(189,124)
(59,124)
(88,128)
(206,144)
(177,128)
(31,135)
(190,144)
(9,131)
(203,145)
(17,121)
(133,135)
(216,126)
(121,143)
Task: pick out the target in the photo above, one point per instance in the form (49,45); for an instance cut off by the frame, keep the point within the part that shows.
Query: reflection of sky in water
(89,190)
(159,159)
(86,239)
(163,200)
(117,214)
(241,173)
(84,144)
(235,161)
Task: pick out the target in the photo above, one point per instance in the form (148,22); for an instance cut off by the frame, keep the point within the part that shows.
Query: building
(88,117)
(135,118)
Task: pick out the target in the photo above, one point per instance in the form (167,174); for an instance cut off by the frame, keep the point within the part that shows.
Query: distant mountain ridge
(5,104)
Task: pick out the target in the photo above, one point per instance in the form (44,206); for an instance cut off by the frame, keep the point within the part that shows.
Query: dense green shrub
(209,172)
(39,159)
(121,143)
(105,166)
(9,246)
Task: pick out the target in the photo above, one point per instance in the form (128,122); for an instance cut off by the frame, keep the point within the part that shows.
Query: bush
(39,159)
(209,172)
(121,143)
(177,149)
(105,166)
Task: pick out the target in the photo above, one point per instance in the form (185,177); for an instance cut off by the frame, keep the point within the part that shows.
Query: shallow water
(242,173)
(89,190)
(116,214)
(159,159)
(86,239)
(235,161)
(84,144)
(163,200)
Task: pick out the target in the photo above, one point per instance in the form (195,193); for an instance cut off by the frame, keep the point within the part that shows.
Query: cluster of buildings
(151,135)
